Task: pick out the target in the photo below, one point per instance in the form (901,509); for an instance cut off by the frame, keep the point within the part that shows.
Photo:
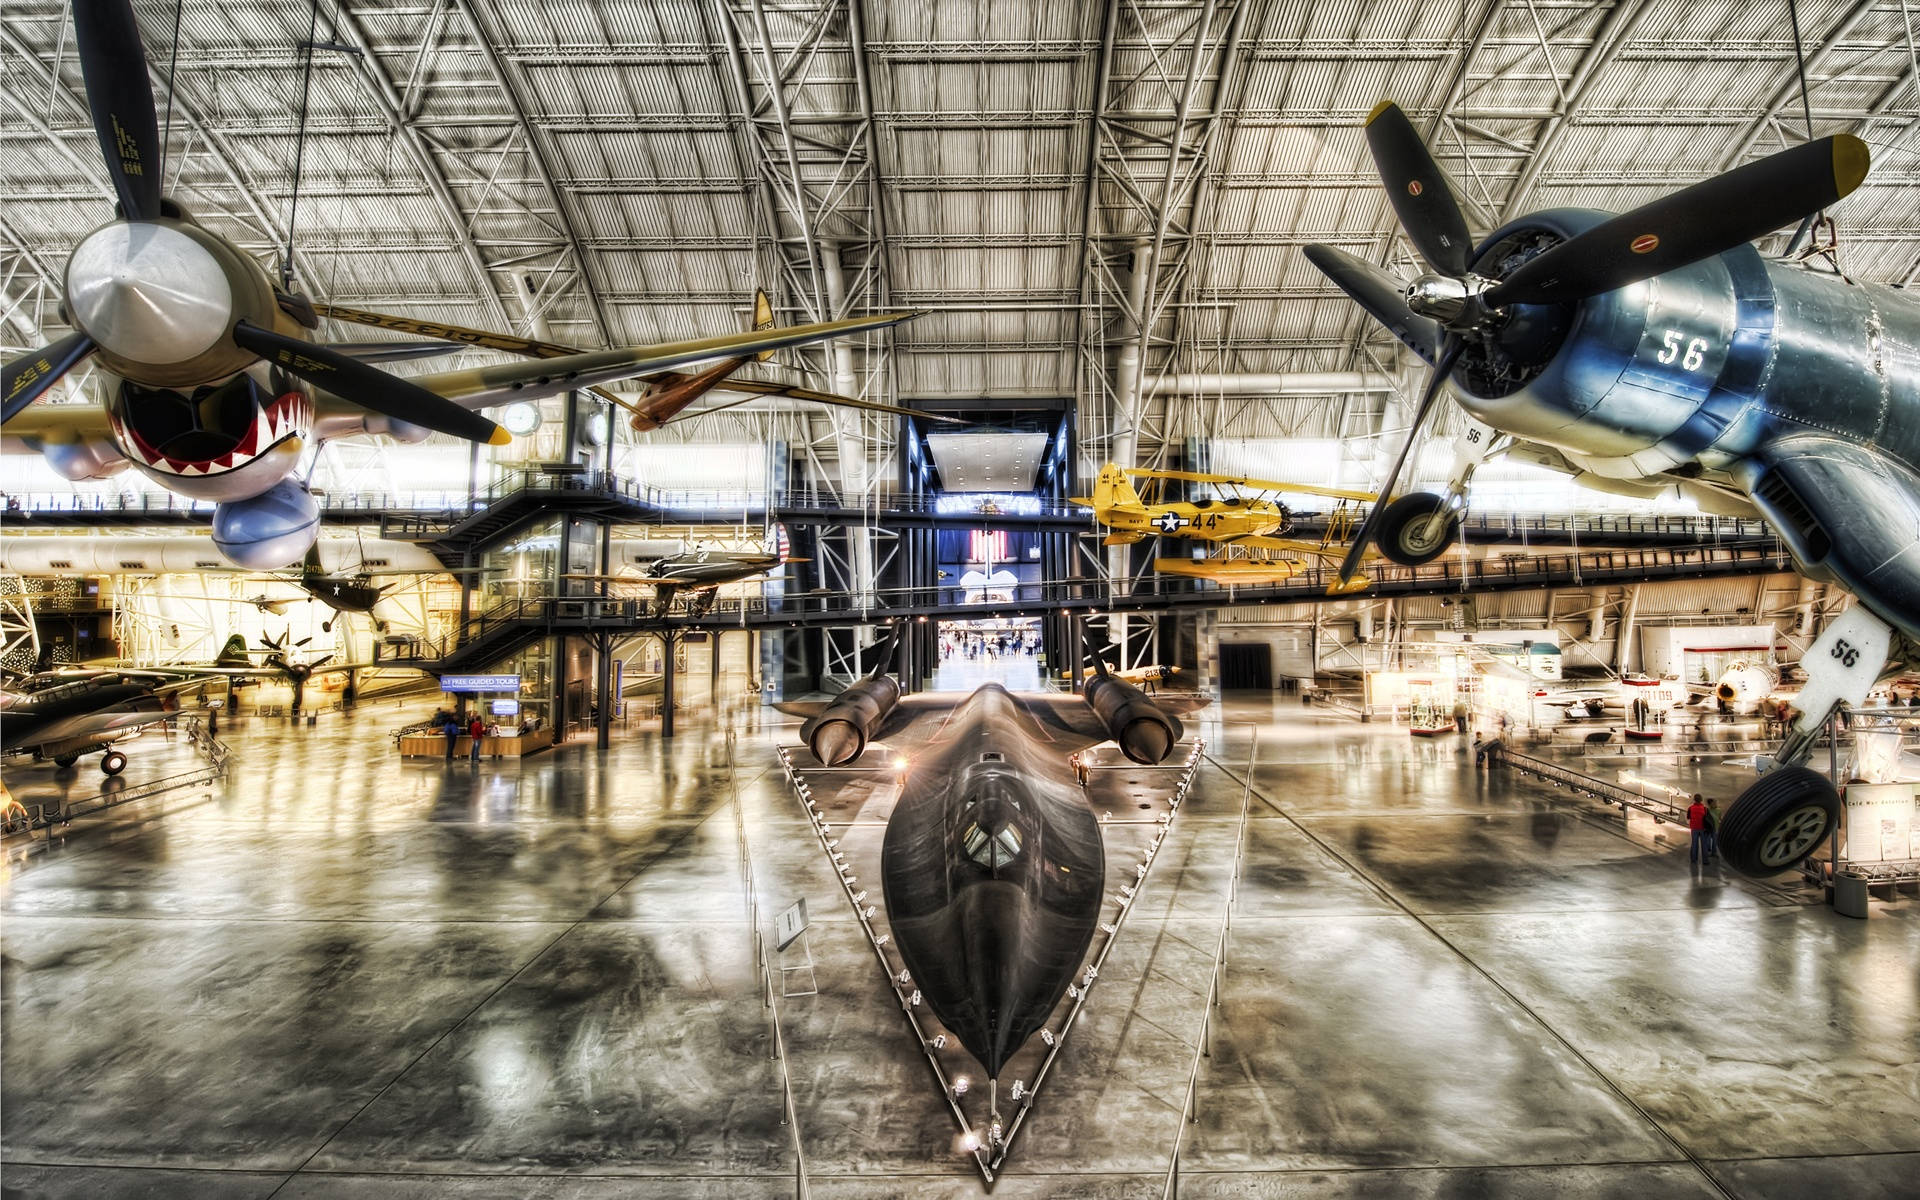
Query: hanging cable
(173,62)
(1800,64)
(299,148)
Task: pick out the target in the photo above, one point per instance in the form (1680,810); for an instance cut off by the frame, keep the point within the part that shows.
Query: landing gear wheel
(113,762)
(1412,530)
(66,760)
(1778,821)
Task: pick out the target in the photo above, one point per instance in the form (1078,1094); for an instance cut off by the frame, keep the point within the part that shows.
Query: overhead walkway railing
(512,624)
(427,515)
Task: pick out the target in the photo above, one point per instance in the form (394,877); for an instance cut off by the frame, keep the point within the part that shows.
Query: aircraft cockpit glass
(991,850)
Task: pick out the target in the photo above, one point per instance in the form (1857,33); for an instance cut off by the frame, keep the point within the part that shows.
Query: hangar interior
(890,597)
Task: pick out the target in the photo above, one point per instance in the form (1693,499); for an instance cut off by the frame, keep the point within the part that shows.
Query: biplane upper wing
(1262,485)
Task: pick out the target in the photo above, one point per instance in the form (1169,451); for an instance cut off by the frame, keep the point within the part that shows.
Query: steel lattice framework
(1099,204)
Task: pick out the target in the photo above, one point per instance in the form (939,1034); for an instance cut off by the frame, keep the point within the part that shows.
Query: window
(991,850)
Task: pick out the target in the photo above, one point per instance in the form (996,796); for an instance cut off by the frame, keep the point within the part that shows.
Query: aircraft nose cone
(837,743)
(148,293)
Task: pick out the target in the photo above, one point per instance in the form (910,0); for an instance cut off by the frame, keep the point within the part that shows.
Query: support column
(666,684)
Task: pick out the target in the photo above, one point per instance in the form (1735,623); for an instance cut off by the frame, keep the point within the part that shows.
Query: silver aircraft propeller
(1443,313)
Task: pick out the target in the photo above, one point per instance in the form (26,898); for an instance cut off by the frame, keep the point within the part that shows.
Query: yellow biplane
(1250,518)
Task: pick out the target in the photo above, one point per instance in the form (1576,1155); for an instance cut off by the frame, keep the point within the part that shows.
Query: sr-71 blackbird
(993,860)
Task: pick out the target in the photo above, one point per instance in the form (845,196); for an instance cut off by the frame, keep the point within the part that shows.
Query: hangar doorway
(1002,650)
(1246,666)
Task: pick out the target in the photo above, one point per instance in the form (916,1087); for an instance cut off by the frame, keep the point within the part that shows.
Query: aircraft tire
(1778,820)
(113,762)
(1405,536)
(66,760)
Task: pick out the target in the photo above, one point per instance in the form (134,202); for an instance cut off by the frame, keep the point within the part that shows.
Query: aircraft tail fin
(1113,490)
(234,653)
(762,317)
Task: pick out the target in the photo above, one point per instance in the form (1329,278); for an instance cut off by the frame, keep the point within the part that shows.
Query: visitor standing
(1697,823)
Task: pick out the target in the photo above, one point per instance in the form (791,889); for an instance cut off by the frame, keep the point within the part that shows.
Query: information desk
(506,745)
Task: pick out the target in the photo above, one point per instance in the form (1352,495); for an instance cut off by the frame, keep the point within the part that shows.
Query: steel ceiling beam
(1842,30)
(381,87)
(538,153)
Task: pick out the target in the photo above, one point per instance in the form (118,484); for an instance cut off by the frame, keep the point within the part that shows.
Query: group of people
(977,644)
(452,725)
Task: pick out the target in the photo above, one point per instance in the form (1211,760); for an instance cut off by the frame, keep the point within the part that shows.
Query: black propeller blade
(1418,192)
(1709,218)
(1381,295)
(367,386)
(26,378)
(114,64)
(1364,538)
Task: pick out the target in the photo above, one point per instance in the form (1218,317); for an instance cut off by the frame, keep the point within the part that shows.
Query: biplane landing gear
(1417,528)
(113,762)
(1790,810)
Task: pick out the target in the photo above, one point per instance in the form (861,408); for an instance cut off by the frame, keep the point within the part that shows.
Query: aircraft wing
(1851,510)
(1256,541)
(755,388)
(1261,485)
(46,424)
(482,387)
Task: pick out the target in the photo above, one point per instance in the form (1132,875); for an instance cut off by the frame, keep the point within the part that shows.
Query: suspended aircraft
(668,393)
(1256,522)
(1657,349)
(214,384)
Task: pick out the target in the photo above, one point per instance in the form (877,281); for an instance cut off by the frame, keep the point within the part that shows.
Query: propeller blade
(25,379)
(1709,218)
(367,386)
(303,641)
(114,64)
(1419,192)
(269,642)
(380,352)
(1381,295)
(1364,538)
(317,663)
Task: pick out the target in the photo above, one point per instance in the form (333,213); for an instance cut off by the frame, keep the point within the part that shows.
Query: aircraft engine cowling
(1144,732)
(840,733)
(1744,685)
(269,531)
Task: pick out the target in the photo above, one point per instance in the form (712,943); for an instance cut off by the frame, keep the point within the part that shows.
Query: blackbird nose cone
(148,293)
(1147,742)
(837,743)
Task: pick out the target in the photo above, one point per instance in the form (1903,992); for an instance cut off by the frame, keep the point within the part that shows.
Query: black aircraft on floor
(993,863)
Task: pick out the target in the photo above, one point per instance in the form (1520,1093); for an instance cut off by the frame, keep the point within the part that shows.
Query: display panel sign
(790,924)
(1879,822)
(479,683)
(504,708)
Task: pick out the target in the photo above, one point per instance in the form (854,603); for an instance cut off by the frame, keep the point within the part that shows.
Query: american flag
(781,546)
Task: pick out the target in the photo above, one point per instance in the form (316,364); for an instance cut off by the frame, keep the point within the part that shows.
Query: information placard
(790,924)
(479,683)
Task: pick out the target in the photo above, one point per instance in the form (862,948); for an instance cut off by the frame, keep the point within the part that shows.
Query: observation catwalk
(352,976)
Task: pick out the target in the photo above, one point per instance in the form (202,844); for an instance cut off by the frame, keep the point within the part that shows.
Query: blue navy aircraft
(1658,349)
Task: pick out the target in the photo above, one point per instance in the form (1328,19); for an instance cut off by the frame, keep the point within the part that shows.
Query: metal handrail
(1189,1109)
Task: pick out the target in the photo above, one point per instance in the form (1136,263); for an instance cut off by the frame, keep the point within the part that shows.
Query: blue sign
(504,708)
(479,683)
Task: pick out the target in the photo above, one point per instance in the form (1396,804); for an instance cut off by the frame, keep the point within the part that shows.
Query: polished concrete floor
(341,974)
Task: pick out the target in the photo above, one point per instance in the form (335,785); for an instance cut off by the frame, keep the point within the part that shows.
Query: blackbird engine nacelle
(1144,732)
(840,733)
